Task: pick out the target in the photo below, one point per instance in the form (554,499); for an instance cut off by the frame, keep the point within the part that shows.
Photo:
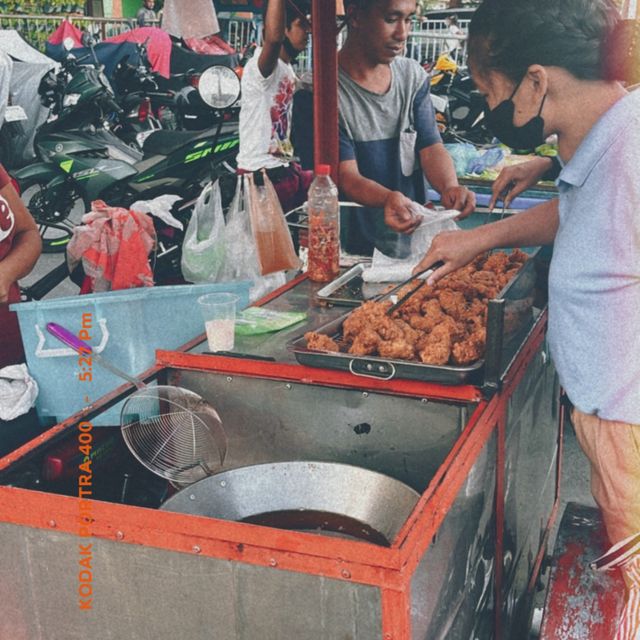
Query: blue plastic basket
(126,327)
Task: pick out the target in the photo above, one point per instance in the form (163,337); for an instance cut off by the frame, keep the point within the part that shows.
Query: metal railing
(241,32)
(37,29)
(439,26)
(426,46)
(426,41)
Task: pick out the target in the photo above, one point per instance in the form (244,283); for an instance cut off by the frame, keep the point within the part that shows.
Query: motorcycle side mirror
(219,87)
(87,39)
(68,44)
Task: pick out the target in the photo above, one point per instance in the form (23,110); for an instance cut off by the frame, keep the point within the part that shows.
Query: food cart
(462,564)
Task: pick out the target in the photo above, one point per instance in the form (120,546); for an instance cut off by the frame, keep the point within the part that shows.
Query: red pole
(325,84)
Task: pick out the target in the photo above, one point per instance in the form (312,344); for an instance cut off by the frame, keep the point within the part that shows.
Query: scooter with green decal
(90,162)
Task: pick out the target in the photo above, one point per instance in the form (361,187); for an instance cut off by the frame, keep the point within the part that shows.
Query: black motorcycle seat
(166,142)
(183,60)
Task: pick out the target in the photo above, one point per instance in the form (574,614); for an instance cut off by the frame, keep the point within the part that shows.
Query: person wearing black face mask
(527,136)
(544,67)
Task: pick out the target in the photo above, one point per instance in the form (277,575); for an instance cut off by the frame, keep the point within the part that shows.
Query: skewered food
(438,325)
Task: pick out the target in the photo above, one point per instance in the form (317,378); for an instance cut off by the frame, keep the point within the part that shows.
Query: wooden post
(325,85)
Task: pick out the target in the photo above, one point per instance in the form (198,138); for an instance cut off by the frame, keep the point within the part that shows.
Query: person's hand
(454,249)
(398,213)
(459,198)
(517,178)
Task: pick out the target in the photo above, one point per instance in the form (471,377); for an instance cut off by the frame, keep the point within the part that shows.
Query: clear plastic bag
(242,263)
(204,246)
(386,269)
(273,241)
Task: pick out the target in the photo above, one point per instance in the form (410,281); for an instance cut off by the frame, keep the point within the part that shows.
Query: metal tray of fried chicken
(496,307)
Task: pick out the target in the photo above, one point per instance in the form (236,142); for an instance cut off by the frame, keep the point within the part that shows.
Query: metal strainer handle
(82,347)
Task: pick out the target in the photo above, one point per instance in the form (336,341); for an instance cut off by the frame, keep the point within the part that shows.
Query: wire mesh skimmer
(172,431)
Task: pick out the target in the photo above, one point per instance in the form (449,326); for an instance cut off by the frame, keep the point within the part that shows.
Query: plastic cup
(219,315)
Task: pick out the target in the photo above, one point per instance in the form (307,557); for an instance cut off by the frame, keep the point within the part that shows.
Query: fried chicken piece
(476,322)
(484,277)
(467,351)
(462,283)
(420,322)
(419,292)
(387,328)
(487,292)
(320,342)
(410,334)
(363,317)
(431,307)
(430,315)
(453,303)
(518,257)
(396,349)
(365,343)
(477,308)
(436,348)
(477,264)
(457,330)
(496,262)
(501,280)
(408,308)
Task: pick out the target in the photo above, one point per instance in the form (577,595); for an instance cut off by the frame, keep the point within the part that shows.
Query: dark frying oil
(312,521)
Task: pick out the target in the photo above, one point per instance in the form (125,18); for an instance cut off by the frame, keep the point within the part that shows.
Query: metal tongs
(503,196)
(425,272)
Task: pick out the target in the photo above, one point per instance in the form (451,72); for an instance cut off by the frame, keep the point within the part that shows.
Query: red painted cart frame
(389,569)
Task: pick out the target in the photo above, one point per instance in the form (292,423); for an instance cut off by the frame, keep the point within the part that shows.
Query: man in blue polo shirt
(388,136)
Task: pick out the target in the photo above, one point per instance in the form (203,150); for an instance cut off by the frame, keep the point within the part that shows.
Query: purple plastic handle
(64,335)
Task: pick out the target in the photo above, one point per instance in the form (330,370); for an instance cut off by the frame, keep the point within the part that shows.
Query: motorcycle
(170,103)
(83,160)
(459,106)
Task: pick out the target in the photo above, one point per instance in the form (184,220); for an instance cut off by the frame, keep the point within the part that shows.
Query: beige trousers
(613,449)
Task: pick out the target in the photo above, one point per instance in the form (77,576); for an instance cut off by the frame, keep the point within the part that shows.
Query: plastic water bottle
(324,227)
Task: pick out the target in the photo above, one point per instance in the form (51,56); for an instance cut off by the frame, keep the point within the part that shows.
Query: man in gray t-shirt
(388,134)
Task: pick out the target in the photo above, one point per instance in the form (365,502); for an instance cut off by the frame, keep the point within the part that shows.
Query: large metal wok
(306,496)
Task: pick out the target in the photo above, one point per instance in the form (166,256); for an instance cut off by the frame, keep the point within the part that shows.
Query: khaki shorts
(613,449)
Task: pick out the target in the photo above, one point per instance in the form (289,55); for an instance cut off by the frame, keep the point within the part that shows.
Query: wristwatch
(554,171)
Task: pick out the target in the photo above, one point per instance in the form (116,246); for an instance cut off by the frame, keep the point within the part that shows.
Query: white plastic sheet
(18,391)
(190,18)
(386,269)
(160,208)
(29,66)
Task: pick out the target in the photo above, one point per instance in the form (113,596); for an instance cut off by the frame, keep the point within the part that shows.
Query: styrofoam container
(126,327)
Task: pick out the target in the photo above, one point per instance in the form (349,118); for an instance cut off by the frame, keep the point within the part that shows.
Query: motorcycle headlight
(219,87)
(71,99)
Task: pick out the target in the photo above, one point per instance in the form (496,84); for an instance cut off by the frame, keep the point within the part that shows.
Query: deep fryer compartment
(116,476)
